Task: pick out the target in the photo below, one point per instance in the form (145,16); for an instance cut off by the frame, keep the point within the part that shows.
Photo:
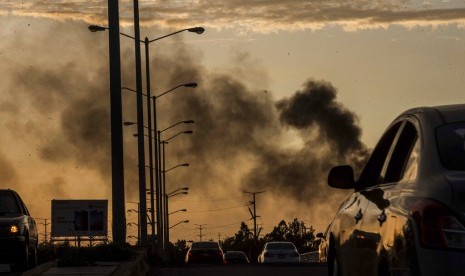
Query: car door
(381,225)
(351,213)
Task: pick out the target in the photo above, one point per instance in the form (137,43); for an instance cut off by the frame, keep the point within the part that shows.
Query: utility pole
(200,228)
(254,214)
(45,224)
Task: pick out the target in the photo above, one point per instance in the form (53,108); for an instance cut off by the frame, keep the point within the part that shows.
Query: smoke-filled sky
(287,89)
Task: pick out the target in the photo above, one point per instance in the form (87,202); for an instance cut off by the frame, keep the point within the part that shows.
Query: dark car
(406,215)
(204,252)
(235,257)
(18,232)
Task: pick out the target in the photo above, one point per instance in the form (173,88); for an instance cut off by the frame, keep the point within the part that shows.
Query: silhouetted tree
(295,232)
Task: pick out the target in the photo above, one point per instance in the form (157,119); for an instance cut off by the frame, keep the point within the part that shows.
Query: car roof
(445,113)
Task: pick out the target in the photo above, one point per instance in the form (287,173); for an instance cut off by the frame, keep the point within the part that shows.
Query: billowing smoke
(241,132)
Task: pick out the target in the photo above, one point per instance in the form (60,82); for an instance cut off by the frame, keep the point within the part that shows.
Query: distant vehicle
(279,252)
(406,215)
(18,232)
(204,252)
(235,257)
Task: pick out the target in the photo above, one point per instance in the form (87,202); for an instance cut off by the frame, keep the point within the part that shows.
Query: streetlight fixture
(141,155)
(180,210)
(184,221)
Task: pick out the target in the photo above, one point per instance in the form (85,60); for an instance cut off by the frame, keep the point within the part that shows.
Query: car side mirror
(341,177)
(320,235)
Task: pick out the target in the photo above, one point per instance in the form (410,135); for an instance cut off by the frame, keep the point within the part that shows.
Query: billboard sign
(72,218)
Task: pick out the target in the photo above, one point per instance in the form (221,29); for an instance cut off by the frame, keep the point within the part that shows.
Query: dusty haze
(55,131)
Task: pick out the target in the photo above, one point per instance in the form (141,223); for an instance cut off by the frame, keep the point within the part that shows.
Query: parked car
(204,252)
(18,232)
(235,257)
(279,252)
(406,215)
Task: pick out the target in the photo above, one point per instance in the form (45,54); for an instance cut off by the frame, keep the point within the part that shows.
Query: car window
(8,203)
(204,245)
(235,254)
(371,174)
(411,169)
(280,246)
(451,145)
(401,154)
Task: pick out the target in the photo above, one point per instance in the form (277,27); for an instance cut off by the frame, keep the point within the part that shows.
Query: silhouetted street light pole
(116,118)
(141,155)
(180,191)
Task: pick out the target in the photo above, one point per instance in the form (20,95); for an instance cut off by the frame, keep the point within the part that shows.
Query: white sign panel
(72,218)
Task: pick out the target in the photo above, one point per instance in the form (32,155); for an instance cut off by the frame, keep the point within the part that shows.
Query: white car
(279,252)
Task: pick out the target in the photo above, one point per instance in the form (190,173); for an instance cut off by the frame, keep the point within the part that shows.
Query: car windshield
(235,254)
(280,246)
(451,145)
(8,204)
(205,245)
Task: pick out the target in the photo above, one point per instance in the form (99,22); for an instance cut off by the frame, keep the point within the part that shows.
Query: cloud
(252,15)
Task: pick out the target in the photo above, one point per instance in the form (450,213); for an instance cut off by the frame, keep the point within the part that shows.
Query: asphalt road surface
(240,270)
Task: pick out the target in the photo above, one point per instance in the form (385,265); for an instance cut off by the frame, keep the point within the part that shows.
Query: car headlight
(14,229)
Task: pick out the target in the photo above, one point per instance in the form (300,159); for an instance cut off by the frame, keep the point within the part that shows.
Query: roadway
(240,270)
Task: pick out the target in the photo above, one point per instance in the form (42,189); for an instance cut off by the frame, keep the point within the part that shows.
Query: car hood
(457,183)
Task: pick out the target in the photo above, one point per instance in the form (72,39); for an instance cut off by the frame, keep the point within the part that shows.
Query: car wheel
(23,258)
(334,268)
(33,258)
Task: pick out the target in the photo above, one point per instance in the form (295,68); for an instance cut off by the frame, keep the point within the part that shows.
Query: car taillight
(438,226)
(220,253)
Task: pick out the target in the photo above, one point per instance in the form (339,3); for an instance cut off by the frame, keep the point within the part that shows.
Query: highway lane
(240,270)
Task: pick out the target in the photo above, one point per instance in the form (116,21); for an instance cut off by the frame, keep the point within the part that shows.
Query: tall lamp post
(156,153)
(163,186)
(141,152)
(180,191)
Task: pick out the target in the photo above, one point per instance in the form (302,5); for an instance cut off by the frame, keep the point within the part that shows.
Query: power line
(219,209)
(214,199)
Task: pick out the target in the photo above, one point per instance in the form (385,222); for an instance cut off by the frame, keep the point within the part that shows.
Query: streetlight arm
(179,133)
(184,221)
(179,189)
(189,84)
(181,210)
(179,165)
(96,28)
(168,91)
(175,194)
(197,30)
